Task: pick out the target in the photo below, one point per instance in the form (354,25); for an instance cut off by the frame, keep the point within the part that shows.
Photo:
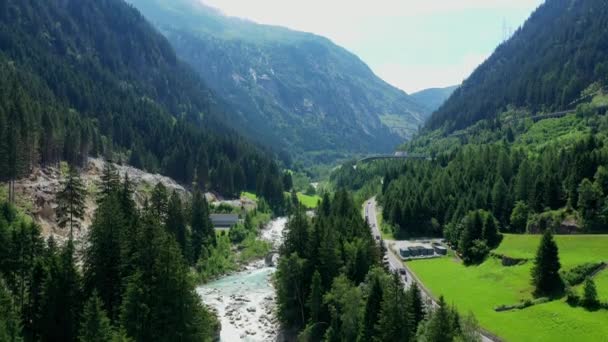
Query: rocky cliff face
(36,194)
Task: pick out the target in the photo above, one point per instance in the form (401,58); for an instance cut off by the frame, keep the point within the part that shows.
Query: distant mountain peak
(433,98)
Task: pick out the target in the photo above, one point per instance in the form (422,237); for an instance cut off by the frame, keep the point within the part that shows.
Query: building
(428,250)
(224,221)
(415,251)
(440,250)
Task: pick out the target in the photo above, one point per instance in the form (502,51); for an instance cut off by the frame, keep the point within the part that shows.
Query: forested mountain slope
(85,77)
(291,89)
(433,98)
(561,49)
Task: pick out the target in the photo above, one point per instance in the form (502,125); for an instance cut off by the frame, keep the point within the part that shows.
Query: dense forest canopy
(559,51)
(330,285)
(93,78)
(517,176)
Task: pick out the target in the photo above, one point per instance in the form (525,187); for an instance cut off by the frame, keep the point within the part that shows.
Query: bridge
(272,257)
(398,155)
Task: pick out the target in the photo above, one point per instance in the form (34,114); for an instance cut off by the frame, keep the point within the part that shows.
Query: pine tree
(160,302)
(291,289)
(104,259)
(438,327)
(490,231)
(415,306)
(394,322)
(95,326)
(203,233)
(469,329)
(499,199)
(519,217)
(202,169)
(62,298)
(315,300)
(32,314)
(10,325)
(176,222)
(71,202)
(371,314)
(287,181)
(523,181)
(159,202)
(545,272)
(110,180)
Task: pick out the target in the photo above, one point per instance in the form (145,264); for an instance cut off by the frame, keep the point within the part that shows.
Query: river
(245,301)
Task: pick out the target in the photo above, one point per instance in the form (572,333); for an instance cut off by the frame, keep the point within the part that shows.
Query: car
(402,271)
(378,237)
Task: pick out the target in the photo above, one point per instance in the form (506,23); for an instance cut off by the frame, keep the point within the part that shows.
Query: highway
(395,263)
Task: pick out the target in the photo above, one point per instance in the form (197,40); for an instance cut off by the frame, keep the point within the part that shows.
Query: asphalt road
(395,263)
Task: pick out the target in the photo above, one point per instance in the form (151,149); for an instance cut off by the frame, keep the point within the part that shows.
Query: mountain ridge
(295,89)
(543,67)
(433,98)
(101,81)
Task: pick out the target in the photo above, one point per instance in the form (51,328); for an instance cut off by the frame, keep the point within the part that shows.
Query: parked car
(402,271)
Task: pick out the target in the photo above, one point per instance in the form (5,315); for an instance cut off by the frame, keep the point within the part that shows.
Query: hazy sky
(412,44)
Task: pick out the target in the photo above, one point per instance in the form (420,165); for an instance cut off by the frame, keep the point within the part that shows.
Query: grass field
(250,196)
(601,282)
(308,201)
(573,249)
(481,288)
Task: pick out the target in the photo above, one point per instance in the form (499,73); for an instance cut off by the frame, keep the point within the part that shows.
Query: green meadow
(309,202)
(482,288)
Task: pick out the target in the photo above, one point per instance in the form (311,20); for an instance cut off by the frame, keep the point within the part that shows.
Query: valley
(172,171)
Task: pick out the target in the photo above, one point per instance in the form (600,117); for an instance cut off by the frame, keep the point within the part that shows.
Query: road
(395,263)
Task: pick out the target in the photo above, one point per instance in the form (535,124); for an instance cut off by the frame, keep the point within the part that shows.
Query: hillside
(433,98)
(559,51)
(290,88)
(84,78)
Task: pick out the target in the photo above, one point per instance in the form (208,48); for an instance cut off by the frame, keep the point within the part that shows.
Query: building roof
(224,220)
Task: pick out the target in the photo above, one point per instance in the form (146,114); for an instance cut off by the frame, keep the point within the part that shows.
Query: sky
(412,44)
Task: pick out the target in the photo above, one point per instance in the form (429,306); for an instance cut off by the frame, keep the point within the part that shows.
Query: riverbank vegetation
(330,285)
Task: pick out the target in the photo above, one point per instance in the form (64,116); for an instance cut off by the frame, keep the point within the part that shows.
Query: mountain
(560,50)
(433,98)
(290,89)
(82,78)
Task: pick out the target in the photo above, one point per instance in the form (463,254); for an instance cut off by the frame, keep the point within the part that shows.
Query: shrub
(572,298)
(590,300)
(237,233)
(579,273)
